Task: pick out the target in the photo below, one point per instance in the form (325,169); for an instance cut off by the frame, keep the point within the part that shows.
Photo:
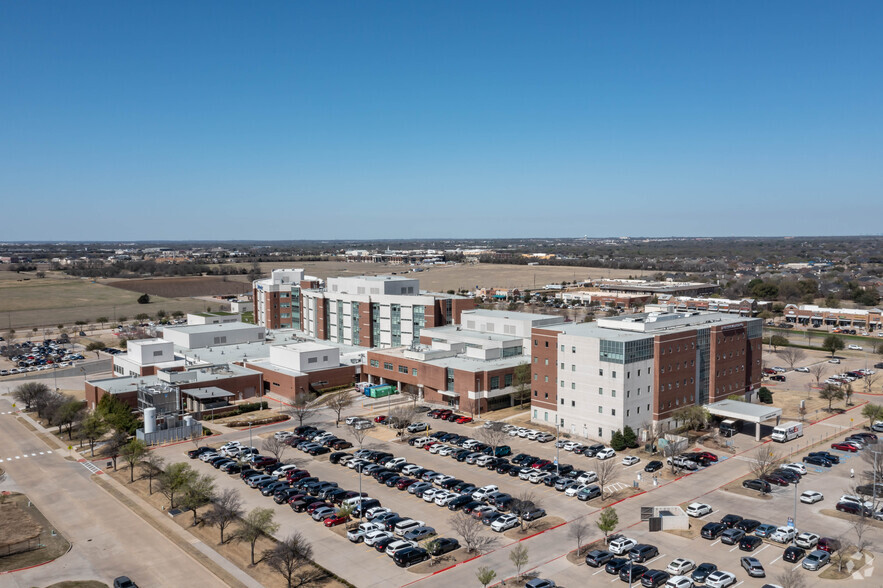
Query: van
(405,526)
(787,432)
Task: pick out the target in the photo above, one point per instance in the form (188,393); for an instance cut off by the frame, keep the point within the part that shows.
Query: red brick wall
(674,379)
(544,346)
(365,334)
(321,321)
(728,356)
(459,305)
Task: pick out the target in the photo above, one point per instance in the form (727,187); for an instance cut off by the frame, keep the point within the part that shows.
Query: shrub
(765,396)
(617,442)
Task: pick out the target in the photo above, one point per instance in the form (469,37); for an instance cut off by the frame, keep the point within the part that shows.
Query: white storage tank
(150,420)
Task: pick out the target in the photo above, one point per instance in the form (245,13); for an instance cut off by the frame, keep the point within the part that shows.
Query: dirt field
(62,300)
(467,276)
(185,286)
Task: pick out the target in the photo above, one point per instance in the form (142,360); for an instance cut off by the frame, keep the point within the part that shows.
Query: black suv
(654,578)
(642,552)
(713,530)
(757,484)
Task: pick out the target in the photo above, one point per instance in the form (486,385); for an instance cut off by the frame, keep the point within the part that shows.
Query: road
(108,539)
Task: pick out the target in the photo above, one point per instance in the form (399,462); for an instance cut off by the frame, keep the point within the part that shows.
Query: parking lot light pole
(557,443)
(249,433)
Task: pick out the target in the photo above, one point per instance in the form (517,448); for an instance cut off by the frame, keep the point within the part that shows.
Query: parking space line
(716,542)
(655,558)
(761,549)
(775,560)
(598,572)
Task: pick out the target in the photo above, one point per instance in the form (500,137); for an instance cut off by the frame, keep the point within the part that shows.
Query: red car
(463,420)
(844,447)
(380,419)
(335,520)
(707,455)
(541,463)
(430,444)
(404,483)
(769,371)
(295,475)
(315,505)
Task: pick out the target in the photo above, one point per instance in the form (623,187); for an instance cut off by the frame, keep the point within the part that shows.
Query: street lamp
(249,433)
(557,443)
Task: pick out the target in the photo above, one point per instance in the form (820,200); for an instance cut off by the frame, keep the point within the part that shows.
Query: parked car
(750,542)
(712,530)
(794,554)
(653,466)
(816,560)
(757,484)
(598,557)
(811,497)
(698,509)
(720,579)
(702,571)
(732,536)
(642,552)
(680,566)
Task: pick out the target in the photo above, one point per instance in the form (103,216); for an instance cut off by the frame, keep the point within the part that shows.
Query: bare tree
(671,450)
(152,465)
(764,460)
(840,557)
(226,509)
(494,435)
(792,355)
(303,407)
(817,372)
(578,530)
(275,447)
(471,531)
(524,503)
(847,393)
(521,381)
(289,556)
(401,417)
(115,445)
(860,526)
(873,456)
(869,381)
(339,402)
(607,470)
(653,431)
(518,556)
(258,523)
(413,393)
(791,578)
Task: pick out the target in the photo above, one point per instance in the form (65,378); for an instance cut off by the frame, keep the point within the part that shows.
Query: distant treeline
(140,268)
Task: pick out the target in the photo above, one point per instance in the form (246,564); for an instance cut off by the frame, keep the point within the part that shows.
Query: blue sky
(297,120)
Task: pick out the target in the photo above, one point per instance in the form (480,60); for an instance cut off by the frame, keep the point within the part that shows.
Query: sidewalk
(210,559)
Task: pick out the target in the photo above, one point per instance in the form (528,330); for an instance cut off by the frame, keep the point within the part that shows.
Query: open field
(54,300)
(455,277)
(185,286)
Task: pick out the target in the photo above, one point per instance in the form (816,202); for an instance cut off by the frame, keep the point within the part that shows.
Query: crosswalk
(93,469)
(25,455)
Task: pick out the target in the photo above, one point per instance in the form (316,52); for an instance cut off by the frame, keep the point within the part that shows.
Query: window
(312,360)
(547,361)
(495,382)
(600,391)
(600,372)
(638,411)
(534,413)
(535,343)
(573,385)
(545,416)
(535,376)
(628,375)
(387,366)
(535,393)
(613,393)
(600,433)
(547,343)
(536,360)
(613,412)
(375,363)
(573,349)
(546,378)
(573,367)
(562,402)
(562,348)
(627,412)
(403,369)
(600,410)
(562,422)
(547,394)
(413,371)
(157,353)
(639,373)
(573,403)
(562,365)
(507,380)
(614,373)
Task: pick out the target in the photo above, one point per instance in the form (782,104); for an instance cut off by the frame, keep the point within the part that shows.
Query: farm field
(186,286)
(55,300)
(28,301)
(467,276)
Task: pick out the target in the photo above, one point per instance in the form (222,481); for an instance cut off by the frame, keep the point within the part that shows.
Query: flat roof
(207,393)
(594,330)
(236,326)
(459,333)
(461,362)
(745,411)
(505,314)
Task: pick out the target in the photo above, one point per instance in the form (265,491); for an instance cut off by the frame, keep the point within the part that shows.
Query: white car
(209,455)
(680,566)
(718,579)
(376,510)
(783,534)
(429,494)
(532,435)
(796,467)
(397,546)
(570,445)
(856,500)
(280,472)
(410,469)
(679,582)
(807,540)
(854,347)
(575,489)
(439,480)
(539,477)
(374,536)
(525,473)
(811,497)
(282,435)
(436,448)
(447,450)
(803,370)
(484,492)
(621,545)
(587,478)
(504,523)
(482,461)
(605,453)
(698,509)
(630,460)
(419,443)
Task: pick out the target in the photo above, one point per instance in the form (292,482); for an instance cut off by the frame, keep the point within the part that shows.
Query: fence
(170,435)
